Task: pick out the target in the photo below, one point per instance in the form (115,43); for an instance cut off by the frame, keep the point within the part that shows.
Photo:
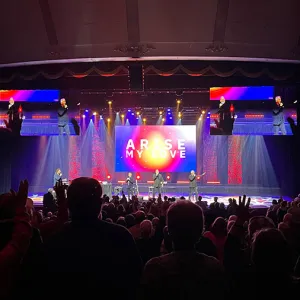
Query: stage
(264,200)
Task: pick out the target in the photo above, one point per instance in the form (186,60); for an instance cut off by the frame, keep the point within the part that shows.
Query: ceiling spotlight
(108,120)
(138,113)
(203,111)
(109,102)
(83,116)
(122,116)
(178,101)
(160,113)
(101,117)
(86,110)
(94,113)
(144,120)
(163,119)
(179,115)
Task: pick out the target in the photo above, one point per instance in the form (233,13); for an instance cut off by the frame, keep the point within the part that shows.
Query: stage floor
(256,201)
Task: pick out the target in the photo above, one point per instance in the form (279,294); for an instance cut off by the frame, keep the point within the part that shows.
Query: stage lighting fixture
(169,109)
(83,116)
(132,114)
(179,115)
(109,102)
(163,119)
(108,120)
(178,101)
(169,113)
(108,177)
(160,113)
(198,177)
(203,111)
(94,113)
(122,116)
(101,117)
(144,120)
(168,177)
(138,113)
(86,110)
(138,177)
(129,110)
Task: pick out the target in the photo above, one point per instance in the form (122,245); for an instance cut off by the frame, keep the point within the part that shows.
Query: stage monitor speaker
(136,77)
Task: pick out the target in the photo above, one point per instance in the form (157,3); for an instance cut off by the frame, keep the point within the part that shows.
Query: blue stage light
(86,110)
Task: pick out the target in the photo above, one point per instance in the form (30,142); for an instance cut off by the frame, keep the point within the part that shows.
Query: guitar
(201,174)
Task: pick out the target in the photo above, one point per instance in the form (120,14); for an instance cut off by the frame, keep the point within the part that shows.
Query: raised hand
(21,196)
(242,210)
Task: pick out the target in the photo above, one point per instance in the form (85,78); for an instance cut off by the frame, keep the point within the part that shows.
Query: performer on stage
(63,118)
(130,183)
(158,183)
(278,117)
(193,185)
(57,177)
(14,122)
(226,119)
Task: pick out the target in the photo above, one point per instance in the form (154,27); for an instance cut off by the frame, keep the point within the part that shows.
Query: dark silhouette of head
(219,227)
(185,224)
(84,198)
(270,252)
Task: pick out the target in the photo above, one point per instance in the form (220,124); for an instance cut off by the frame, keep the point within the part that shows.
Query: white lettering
(130,144)
(139,153)
(144,144)
(182,154)
(168,144)
(181,145)
(173,153)
(129,153)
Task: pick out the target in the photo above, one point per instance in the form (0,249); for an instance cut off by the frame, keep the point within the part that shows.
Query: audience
(86,244)
(184,272)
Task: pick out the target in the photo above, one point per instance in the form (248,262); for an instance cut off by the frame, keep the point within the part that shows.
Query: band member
(278,117)
(158,183)
(63,118)
(57,177)
(130,183)
(193,185)
(226,118)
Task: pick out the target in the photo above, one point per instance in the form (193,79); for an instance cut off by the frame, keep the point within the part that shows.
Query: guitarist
(193,185)
(130,183)
(158,183)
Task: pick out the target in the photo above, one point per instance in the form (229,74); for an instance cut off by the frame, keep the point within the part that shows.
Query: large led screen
(246,93)
(147,148)
(30,95)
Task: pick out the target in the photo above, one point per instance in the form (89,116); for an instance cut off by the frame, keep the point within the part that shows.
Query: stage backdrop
(146,148)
